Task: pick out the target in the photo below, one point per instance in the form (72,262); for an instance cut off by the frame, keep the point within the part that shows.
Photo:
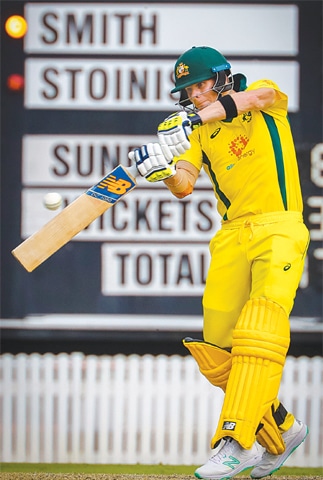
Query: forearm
(244,102)
(182,183)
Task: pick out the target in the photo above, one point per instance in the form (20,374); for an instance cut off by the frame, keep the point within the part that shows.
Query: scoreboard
(96,83)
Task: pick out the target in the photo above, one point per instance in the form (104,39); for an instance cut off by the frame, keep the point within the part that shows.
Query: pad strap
(268,434)
(279,414)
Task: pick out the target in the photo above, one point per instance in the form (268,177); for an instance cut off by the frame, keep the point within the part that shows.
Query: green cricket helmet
(199,64)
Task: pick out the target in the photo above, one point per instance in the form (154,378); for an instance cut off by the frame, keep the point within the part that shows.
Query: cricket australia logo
(247,117)
(182,70)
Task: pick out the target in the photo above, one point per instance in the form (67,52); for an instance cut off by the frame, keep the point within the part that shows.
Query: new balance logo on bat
(112,187)
(115,185)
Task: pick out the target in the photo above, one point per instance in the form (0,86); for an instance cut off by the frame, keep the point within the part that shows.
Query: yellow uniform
(252,165)
(251,153)
(257,259)
(257,256)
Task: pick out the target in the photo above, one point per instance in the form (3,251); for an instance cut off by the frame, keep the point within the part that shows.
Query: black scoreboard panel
(97,79)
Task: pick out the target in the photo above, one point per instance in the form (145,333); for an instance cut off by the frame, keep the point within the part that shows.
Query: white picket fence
(131,409)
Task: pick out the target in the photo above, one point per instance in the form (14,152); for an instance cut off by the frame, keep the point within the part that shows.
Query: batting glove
(153,163)
(175,130)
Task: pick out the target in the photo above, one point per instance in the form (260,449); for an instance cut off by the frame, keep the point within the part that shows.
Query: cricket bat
(75,217)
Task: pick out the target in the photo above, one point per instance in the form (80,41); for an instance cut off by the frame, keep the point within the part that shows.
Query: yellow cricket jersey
(250,160)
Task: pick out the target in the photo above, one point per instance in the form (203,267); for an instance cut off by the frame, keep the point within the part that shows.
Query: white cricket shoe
(229,460)
(271,463)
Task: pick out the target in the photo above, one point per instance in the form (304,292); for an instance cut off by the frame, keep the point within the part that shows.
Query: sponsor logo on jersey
(287,267)
(237,148)
(214,134)
(238,145)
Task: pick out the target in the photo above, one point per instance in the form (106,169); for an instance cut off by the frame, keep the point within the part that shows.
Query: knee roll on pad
(214,362)
(260,344)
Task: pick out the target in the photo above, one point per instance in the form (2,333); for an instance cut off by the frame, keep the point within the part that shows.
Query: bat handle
(133,171)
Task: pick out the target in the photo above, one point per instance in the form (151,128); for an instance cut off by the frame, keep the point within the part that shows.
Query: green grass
(129,469)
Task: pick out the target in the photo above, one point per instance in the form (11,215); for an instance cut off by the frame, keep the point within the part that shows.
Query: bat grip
(133,171)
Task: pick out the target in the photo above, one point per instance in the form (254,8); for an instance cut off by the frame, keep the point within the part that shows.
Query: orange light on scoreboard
(16,26)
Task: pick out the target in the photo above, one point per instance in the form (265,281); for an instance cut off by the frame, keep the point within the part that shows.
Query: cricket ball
(52,200)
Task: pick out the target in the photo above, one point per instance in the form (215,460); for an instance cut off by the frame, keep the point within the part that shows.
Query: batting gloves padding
(154,162)
(174,131)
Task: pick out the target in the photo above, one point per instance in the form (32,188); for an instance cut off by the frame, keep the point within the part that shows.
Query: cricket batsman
(241,136)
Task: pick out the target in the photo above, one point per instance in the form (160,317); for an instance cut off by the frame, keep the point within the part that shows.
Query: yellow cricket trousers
(254,256)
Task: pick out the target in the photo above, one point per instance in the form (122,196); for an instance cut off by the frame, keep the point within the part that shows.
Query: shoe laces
(224,452)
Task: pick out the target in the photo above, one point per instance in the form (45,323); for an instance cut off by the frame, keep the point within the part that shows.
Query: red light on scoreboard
(15,82)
